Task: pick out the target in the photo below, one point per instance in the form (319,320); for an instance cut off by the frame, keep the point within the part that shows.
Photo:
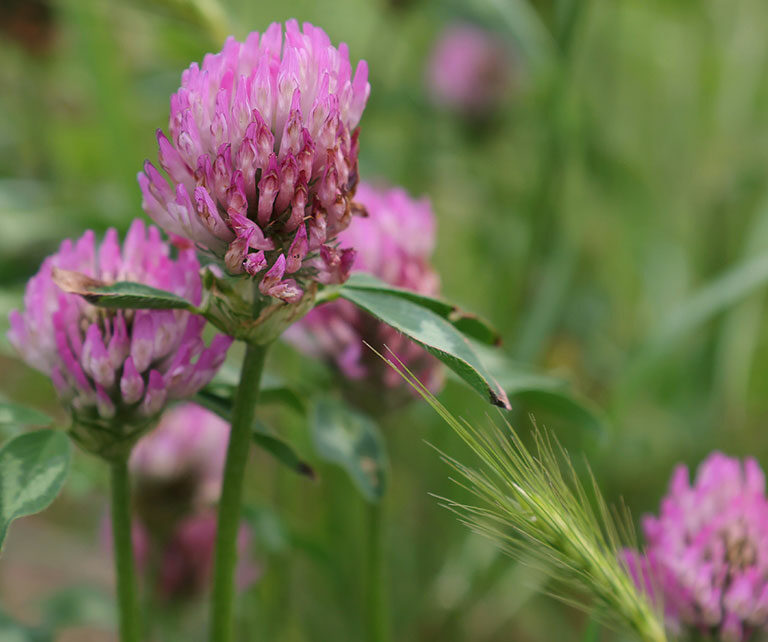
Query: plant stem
(377,604)
(124,565)
(222,599)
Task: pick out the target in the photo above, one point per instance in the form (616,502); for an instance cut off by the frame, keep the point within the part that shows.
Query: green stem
(222,599)
(124,565)
(377,604)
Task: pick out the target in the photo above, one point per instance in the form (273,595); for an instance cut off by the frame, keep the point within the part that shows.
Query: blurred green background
(610,216)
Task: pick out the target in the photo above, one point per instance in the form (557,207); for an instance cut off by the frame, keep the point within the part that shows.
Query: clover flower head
(393,242)
(116,369)
(469,69)
(707,551)
(262,157)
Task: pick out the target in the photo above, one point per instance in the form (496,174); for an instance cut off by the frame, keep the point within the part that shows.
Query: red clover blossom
(707,551)
(262,157)
(394,243)
(116,369)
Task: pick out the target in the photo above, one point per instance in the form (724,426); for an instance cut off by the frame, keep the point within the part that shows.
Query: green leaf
(468,324)
(217,404)
(718,295)
(12,414)
(564,406)
(540,392)
(123,294)
(435,334)
(33,467)
(282,395)
(269,530)
(78,606)
(352,440)
(274,537)
(270,394)
(13,631)
(281,450)
(221,404)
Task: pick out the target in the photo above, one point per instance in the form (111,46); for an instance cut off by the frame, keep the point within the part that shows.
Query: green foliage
(272,393)
(716,296)
(33,467)
(123,294)
(78,606)
(352,440)
(624,173)
(435,334)
(534,506)
(284,396)
(13,414)
(219,397)
(281,450)
(542,394)
(13,631)
(468,324)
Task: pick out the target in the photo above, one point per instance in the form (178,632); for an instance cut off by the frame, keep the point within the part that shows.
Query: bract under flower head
(116,369)
(394,243)
(262,157)
(707,551)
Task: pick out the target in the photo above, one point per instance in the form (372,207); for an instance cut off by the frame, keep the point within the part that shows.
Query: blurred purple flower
(394,243)
(184,558)
(116,369)
(469,69)
(262,157)
(187,560)
(186,451)
(707,551)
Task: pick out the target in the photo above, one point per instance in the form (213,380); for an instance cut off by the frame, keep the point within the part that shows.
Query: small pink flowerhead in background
(262,157)
(116,369)
(707,551)
(178,467)
(184,555)
(394,242)
(469,69)
(187,558)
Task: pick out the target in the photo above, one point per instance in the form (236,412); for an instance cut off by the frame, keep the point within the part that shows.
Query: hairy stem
(222,599)
(124,566)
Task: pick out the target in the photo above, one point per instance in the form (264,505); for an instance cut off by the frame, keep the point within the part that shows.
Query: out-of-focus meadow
(609,215)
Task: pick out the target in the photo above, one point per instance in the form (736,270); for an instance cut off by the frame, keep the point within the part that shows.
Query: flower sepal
(237,308)
(110,439)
